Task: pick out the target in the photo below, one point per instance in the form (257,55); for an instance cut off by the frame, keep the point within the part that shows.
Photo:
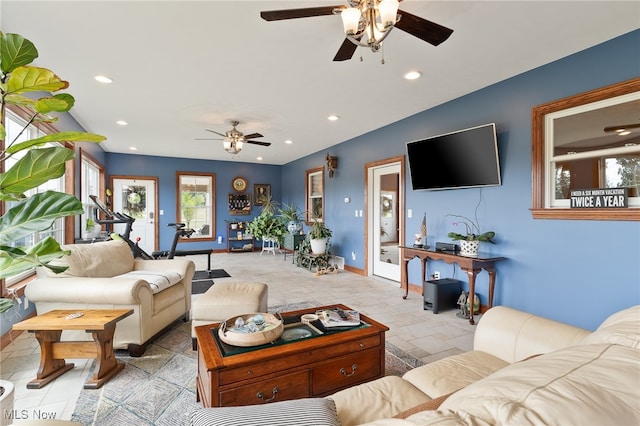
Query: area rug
(199,287)
(214,273)
(159,388)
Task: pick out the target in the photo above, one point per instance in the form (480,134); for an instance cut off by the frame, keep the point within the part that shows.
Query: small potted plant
(470,240)
(319,236)
(292,215)
(267,225)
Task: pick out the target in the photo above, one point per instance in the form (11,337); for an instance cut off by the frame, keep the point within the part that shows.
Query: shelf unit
(238,241)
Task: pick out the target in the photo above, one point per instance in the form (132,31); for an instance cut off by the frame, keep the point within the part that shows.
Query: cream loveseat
(523,370)
(105,275)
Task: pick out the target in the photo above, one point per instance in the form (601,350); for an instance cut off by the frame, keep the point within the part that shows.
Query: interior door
(385,223)
(136,197)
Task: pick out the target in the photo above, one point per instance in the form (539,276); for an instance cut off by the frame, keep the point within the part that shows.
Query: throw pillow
(298,412)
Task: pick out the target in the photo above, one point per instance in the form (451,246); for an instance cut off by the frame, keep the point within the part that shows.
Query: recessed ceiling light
(259,158)
(133,148)
(333,118)
(412,75)
(121,123)
(103,79)
(624,133)
(288,141)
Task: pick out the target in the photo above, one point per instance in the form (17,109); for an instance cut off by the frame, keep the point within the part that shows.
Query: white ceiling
(180,67)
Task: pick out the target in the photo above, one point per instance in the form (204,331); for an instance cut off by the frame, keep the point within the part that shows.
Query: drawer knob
(362,345)
(343,371)
(274,393)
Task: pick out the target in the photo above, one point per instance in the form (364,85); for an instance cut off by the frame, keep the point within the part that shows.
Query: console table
(470,265)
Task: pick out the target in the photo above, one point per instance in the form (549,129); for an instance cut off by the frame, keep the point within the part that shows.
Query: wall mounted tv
(463,159)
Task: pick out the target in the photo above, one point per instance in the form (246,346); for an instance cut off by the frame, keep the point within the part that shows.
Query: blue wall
(165,169)
(570,270)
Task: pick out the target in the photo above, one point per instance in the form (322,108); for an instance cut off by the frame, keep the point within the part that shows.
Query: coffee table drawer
(346,371)
(288,386)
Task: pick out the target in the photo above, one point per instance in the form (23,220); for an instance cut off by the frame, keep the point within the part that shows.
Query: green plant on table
(472,230)
(267,224)
(319,231)
(30,163)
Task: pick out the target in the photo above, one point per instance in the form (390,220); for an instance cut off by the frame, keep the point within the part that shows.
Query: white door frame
(152,220)
(370,211)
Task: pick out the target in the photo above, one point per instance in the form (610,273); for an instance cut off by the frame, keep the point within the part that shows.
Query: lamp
(368,22)
(233,146)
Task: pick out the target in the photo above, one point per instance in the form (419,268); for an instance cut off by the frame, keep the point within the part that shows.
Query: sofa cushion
(384,397)
(97,260)
(454,372)
(581,385)
(621,328)
(301,412)
(158,280)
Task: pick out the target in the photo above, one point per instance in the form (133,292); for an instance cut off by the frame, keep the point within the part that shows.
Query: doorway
(137,197)
(385,218)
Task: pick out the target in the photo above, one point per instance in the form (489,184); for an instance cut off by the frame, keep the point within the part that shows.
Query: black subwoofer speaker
(441,294)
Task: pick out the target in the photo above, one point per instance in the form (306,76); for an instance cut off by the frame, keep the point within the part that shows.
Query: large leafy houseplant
(35,161)
(267,224)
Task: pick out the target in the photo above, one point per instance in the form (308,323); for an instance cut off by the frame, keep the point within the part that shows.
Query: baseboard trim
(354,270)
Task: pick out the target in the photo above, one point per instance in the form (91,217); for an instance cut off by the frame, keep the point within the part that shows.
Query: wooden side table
(471,265)
(49,326)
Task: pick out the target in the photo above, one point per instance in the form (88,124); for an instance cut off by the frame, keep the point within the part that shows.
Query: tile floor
(421,333)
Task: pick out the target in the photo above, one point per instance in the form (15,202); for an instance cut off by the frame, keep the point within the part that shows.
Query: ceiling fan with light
(234,139)
(367,23)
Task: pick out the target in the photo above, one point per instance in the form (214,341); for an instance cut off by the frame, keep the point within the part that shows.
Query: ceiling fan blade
(308,12)
(622,126)
(259,143)
(423,29)
(253,136)
(217,133)
(346,51)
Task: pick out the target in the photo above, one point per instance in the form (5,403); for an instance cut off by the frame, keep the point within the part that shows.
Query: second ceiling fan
(234,139)
(367,23)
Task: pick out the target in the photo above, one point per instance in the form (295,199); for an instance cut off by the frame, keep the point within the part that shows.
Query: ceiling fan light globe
(226,145)
(350,20)
(239,145)
(388,12)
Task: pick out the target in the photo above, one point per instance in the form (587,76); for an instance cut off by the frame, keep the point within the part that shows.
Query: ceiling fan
(367,23)
(234,139)
(621,127)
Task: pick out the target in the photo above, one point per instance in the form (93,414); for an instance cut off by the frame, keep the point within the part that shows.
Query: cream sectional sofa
(105,275)
(523,370)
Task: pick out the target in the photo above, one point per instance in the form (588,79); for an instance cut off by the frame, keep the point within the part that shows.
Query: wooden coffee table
(314,366)
(49,326)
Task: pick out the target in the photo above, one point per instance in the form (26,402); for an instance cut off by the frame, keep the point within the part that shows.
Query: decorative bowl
(251,329)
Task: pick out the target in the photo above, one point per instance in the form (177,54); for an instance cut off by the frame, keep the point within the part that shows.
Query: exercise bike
(181,231)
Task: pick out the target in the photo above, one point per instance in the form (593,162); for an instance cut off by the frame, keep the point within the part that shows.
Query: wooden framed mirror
(582,142)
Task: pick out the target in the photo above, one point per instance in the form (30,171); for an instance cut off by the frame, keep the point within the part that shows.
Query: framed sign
(262,193)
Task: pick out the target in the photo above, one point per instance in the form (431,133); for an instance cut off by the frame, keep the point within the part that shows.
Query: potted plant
(292,215)
(267,225)
(319,236)
(34,163)
(470,240)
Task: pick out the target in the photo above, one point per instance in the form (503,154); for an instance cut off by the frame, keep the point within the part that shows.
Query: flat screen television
(463,159)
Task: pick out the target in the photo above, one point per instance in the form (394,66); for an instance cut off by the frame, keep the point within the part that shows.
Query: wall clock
(239,184)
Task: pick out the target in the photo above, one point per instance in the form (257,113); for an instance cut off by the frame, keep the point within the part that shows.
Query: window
(578,143)
(315,195)
(91,183)
(14,125)
(196,203)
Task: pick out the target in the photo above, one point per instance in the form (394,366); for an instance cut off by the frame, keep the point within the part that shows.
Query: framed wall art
(262,193)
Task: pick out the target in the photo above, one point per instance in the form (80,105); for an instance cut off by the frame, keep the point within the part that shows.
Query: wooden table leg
(492,283)
(405,278)
(50,367)
(107,365)
(471,273)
